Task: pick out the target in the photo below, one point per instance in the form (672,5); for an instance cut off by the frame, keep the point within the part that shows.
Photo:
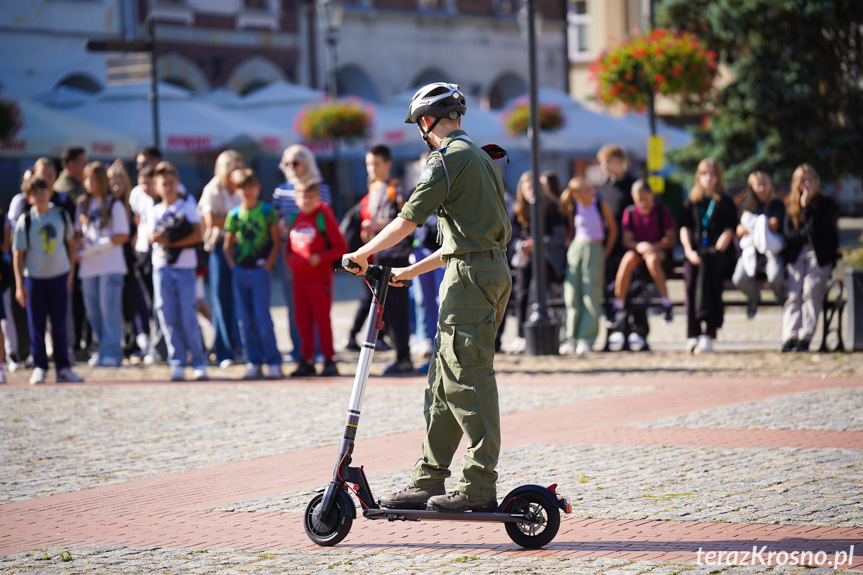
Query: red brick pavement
(168,511)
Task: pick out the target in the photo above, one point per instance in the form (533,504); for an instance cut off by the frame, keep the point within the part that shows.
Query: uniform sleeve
(430,193)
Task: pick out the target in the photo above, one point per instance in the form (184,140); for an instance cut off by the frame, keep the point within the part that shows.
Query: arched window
(428,76)
(183,72)
(355,81)
(504,88)
(80,81)
(253,74)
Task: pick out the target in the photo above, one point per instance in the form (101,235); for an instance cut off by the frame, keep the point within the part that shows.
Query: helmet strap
(426,133)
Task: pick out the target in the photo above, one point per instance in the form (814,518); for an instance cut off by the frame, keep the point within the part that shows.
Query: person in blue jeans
(176,229)
(102,224)
(251,248)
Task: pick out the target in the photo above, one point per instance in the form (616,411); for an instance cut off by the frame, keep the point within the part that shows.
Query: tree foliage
(795,92)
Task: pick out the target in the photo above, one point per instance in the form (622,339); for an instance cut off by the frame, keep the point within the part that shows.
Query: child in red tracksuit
(314,243)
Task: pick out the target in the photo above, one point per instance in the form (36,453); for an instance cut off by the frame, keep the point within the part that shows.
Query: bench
(832,307)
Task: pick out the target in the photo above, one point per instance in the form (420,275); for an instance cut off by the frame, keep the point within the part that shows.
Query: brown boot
(412,497)
(457,502)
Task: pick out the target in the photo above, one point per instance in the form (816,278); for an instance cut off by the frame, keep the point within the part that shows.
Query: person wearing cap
(460,184)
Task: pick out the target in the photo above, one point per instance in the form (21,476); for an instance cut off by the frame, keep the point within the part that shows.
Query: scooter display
(530,513)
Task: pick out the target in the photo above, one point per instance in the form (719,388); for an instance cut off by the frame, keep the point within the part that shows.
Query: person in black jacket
(811,250)
(707,222)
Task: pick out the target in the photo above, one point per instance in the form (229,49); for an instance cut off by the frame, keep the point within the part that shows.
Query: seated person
(648,235)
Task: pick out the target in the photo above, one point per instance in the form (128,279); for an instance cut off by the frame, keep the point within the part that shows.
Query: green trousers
(582,290)
(461,398)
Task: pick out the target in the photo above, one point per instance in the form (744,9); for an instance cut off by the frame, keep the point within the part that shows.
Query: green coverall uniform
(462,184)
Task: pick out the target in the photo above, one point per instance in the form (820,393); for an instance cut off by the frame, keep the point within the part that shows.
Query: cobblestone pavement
(780,485)
(786,412)
(100,560)
(60,439)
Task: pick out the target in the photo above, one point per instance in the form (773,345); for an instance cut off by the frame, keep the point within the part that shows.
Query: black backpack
(351,228)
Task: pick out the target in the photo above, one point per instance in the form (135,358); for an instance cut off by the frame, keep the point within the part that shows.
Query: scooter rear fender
(546,493)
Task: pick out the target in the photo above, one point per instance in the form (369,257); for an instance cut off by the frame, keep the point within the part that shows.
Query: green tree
(795,94)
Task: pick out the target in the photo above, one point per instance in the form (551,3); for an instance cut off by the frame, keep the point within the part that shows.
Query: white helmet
(438,100)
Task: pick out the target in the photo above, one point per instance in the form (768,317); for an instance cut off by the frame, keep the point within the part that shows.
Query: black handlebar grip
(349,265)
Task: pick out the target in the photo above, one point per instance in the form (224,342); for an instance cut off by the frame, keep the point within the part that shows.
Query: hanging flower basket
(345,119)
(10,119)
(665,62)
(517,118)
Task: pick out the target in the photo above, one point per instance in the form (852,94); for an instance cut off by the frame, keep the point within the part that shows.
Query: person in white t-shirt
(102,226)
(176,228)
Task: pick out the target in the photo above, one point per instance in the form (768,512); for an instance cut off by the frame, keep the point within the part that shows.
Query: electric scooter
(530,513)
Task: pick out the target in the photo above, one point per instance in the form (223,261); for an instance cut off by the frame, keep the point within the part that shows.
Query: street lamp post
(330,14)
(540,331)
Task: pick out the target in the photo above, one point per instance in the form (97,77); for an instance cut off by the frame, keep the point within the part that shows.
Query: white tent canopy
(280,92)
(185,124)
(48,132)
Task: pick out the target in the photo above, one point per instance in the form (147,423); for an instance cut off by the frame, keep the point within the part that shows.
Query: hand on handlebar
(401,277)
(355,264)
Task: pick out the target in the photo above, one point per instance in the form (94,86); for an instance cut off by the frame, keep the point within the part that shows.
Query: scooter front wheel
(330,529)
(544,521)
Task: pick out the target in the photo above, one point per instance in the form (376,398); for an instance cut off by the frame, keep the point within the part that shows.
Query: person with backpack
(251,247)
(44,240)
(594,234)
(648,235)
(102,226)
(315,242)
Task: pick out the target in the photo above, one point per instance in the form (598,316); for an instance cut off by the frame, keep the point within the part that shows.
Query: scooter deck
(418,515)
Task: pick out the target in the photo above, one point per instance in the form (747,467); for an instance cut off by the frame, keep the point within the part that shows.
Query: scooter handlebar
(373,271)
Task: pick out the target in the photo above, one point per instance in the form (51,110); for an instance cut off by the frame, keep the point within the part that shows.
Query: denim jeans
(48,298)
(227,340)
(424,291)
(252,303)
(176,306)
(103,302)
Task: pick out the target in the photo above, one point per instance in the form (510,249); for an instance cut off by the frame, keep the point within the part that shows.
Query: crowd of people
(85,243)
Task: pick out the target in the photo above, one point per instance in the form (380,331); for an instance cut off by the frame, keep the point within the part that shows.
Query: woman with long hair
(521,246)
(219,197)
(102,225)
(760,233)
(811,250)
(298,163)
(707,222)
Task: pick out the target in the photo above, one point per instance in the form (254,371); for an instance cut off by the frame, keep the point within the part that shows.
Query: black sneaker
(397,367)
(751,309)
(802,346)
(351,344)
(305,369)
(382,345)
(668,313)
(330,369)
(789,346)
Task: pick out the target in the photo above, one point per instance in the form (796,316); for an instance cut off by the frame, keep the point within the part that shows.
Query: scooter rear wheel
(545,521)
(333,528)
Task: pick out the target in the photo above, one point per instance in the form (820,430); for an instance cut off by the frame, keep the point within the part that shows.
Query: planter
(854,291)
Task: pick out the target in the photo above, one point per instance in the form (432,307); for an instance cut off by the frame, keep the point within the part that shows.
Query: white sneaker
(226,363)
(200,375)
(149,359)
(178,374)
(616,341)
(94,359)
(705,344)
(567,348)
(422,348)
(582,349)
(66,375)
(38,376)
(691,344)
(143,341)
(518,345)
(636,342)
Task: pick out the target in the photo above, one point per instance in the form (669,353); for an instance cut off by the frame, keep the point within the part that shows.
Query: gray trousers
(807,282)
(749,285)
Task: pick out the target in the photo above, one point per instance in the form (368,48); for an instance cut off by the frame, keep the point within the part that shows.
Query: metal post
(154,79)
(541,332)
